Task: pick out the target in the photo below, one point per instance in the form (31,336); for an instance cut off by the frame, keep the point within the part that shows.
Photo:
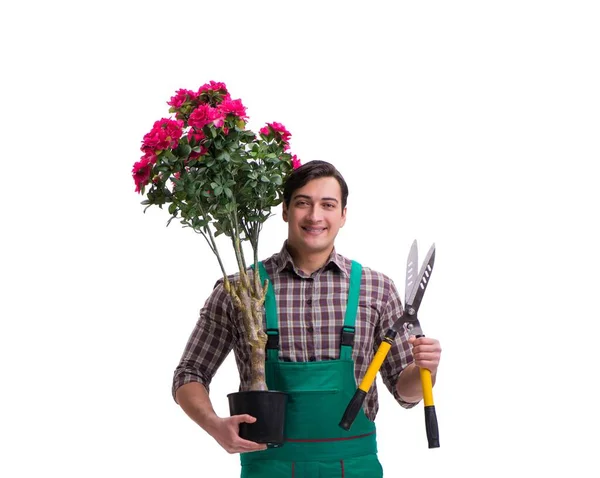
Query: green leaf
(184,150)
(224,156)
(264,179)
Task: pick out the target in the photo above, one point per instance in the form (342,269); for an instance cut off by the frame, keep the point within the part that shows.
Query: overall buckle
(347,336)
(272,338)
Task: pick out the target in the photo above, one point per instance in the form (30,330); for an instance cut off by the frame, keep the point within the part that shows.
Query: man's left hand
(426,352)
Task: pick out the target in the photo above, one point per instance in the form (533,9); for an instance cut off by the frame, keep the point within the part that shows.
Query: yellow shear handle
(431,425)
(359,396)
(427,387)
(375,365)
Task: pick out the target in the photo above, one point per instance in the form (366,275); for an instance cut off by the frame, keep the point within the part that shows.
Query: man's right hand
(226,432)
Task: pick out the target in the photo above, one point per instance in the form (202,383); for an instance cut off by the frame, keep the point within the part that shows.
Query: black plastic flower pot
(268,407)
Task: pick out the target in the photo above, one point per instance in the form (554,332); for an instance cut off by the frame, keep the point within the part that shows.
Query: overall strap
(271,313)
(347,338)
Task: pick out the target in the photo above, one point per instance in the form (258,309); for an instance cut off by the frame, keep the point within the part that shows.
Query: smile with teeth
(313,229)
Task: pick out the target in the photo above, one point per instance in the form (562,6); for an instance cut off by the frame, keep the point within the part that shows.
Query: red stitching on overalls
(329,439)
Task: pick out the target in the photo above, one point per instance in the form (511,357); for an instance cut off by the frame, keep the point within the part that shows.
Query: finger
(247,445)
(420,350)
(427,347)
(425,341)
(241,443)
(426,360)
(426,355)
(244,418)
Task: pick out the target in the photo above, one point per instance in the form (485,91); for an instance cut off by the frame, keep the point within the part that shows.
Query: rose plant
(217,177)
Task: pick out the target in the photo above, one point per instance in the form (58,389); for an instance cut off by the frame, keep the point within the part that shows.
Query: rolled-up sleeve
(400,354)
(210,342)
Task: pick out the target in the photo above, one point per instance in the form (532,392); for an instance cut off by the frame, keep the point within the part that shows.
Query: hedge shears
(416,283)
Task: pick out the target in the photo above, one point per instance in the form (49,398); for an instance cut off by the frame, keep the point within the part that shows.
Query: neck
(309,262)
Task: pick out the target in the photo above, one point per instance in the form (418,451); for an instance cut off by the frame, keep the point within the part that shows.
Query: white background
(470,124)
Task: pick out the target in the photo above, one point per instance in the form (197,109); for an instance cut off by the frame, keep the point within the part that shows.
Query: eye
(329,205)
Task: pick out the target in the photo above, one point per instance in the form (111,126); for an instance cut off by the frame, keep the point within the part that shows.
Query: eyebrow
(304,196)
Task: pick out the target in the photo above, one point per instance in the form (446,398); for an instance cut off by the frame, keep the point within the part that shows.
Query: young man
(311,284)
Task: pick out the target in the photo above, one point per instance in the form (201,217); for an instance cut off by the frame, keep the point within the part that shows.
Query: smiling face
(314,216)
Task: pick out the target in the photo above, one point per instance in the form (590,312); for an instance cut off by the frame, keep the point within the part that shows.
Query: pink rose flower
(180,97)
(279,132)
(165,134)
(233,107)
(214,86)
(204,115)
(295,162)
(283,133)
(196,135)
(141,172)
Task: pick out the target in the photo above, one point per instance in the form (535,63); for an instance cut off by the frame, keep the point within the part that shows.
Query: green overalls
(318,393)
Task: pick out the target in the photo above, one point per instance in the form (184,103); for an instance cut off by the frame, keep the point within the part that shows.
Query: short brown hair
(309,171)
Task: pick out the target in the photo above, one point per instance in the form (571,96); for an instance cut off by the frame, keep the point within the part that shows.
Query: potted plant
(217,177)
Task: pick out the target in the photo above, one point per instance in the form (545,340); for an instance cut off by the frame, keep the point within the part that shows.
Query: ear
(284,212)
(343,217)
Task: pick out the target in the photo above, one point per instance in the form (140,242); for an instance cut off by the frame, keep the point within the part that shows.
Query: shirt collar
(335,260)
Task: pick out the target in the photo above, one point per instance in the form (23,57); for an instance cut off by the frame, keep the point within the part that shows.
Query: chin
(318,246)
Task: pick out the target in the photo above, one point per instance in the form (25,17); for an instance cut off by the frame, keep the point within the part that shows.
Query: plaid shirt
(311,312)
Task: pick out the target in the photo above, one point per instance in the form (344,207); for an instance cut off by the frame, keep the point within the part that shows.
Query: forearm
(409,385)
(195,402)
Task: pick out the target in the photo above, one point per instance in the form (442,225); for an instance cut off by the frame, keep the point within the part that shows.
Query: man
(311,283)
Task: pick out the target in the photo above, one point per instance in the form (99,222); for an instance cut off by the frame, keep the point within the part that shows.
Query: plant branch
(203,234)
(216,251)
(212,243)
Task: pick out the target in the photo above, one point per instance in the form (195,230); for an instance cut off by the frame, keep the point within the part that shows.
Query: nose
(314,214)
